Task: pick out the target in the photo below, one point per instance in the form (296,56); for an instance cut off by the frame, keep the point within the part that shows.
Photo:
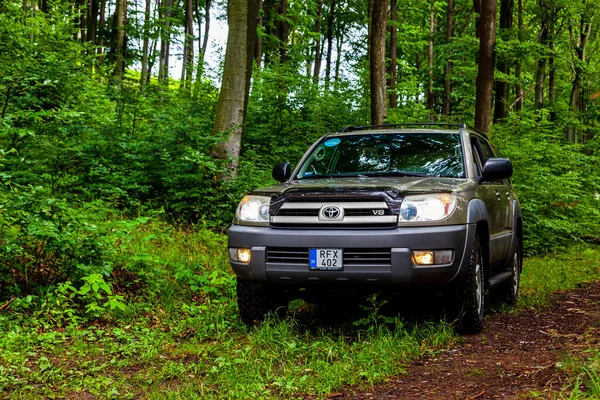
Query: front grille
(353,212)
(351,256)
(369,256)
(287,255)
(298,213)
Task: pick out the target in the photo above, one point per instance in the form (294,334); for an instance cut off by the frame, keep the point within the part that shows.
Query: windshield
(389,154)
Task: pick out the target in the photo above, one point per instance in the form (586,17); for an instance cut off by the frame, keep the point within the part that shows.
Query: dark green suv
(383,208)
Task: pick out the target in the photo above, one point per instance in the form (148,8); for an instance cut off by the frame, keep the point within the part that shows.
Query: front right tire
(465,304)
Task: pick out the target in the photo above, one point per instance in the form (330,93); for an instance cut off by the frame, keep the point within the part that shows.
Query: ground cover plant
(181,336)
(113,265)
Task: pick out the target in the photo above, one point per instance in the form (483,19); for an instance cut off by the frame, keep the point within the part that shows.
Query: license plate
(325,259)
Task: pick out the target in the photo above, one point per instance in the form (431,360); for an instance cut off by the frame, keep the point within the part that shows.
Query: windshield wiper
(394,173)
(326,176)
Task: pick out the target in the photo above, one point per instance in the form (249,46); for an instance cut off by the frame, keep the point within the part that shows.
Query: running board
(499,278)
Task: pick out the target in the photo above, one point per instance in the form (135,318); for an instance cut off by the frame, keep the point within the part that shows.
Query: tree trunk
(377,61)
(579,43)
(318,52)
(144,76)
(501,92)
(235,85)
(338,58)
(448,69)
(187,67)
(393,53)
(283,32)
(258,45)
(551,81)
(206,27)
(540,75)
(165,42)
(430,62)
(485,71)
(518,89)
(118,34)
(330,19)
(101,29)
(92,21)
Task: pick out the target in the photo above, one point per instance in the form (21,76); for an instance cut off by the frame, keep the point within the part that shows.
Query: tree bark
(518,88)
(448,69)
(377,61)
(540,75)
(318,52)
(118,34)
(206,27)
(144,76)
(92,21)
(283,32)
(501,92)
(258,45)
(485,71)
(430,62)
(330,19)
(235,85)
(579,43)
(187,67)
(393,53)
(165,41)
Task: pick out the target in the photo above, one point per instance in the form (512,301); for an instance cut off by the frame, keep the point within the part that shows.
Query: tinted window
(427,154)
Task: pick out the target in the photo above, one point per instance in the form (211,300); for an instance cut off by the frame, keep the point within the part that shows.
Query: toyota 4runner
(383,208)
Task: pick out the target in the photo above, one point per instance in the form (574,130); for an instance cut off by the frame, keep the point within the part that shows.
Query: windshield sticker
(308,173)
(332,142)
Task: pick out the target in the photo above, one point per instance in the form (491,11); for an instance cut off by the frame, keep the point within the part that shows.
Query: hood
(398,185)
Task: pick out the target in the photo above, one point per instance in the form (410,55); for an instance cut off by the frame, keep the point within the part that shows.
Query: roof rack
(350,128)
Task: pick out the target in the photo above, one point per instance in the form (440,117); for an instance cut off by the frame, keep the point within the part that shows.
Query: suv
(378,208)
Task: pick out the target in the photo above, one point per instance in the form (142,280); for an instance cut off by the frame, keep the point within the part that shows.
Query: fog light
(241,255)
(433,257)
(423,257)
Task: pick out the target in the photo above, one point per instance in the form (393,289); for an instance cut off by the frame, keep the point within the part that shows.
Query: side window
(486,153)
(477,157)
(487,149)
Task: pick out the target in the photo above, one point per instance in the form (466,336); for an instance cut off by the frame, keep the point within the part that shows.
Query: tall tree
(144,75)
(518,88)
(188,45)
(318,51)
(540,75)
(430,61)
(501,86)
(118,37)
(165,40)
(580,36)
(235,84)
(393,53)
(448,68)
(377,61)
(330,20)
(485,70)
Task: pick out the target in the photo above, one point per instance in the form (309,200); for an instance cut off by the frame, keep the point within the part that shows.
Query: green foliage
(558,183)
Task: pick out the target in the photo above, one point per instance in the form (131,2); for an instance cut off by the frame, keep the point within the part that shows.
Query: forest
(124,152)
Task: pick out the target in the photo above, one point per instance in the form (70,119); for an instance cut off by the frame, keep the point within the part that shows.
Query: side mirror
(282,172)
(496,169)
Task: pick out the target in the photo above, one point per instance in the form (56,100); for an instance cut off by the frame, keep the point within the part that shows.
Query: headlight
(254,209)
(427,207)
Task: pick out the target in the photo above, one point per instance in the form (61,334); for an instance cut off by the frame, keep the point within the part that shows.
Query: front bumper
(401,271)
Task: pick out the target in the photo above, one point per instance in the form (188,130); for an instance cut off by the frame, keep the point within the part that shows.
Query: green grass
(180,335)
(543,276)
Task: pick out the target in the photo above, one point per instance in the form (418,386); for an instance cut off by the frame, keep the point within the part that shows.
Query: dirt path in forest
(514,356)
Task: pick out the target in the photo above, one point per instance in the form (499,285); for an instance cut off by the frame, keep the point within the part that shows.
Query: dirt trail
(512,357)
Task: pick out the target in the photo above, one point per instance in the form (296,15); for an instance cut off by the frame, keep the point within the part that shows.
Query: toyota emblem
(331,212)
